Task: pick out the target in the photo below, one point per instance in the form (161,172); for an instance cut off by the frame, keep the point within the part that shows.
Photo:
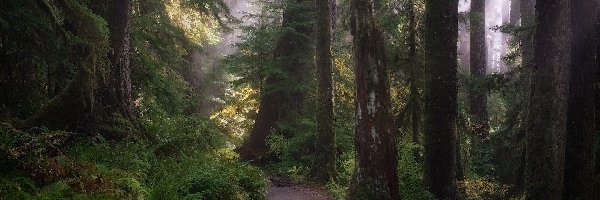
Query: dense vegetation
(373,99)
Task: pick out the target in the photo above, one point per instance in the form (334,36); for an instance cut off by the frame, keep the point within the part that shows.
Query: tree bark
(115,95)
(597,95)
(441,108)
(545,140)
(415,96)
(527,22)
(375,175)
(478,94)
(120,80)
(579,155)
(527,19)
(515,12)
(323,168)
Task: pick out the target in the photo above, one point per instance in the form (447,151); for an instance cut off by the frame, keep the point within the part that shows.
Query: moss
(117,127)
(72,108)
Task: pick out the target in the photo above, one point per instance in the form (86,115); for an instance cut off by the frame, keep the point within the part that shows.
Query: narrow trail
(282,188)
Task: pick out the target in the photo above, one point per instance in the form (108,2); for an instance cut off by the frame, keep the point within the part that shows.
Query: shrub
(410,172)
(482,188)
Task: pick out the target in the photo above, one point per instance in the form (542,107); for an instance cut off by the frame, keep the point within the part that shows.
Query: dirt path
(281,188)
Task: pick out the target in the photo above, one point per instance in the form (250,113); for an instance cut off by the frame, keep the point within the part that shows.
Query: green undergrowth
(43,164)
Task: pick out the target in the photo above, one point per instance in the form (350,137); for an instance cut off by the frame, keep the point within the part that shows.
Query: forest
(300,99)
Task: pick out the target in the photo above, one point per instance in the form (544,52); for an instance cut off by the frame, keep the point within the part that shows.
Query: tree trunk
(120,73)
(460,173)
(415,96)
(478,94)
(334,15)
(597,95)
(282,95)
(72,109)
(116,90)
(323,168)
(515,12)
(441,108)
(528,22)
(527,19)
(375,175)
(545,143)
(579,155)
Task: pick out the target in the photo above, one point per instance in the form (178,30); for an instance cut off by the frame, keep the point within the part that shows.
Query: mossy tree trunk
(545,140)
(115,92)
(441,31)
(375,175)
(478,93)
(579,155)
(73,108)
(323,168)
(283,94)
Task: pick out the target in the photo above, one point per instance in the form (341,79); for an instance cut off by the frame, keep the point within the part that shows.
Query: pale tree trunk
(515,12)
(375,175)
(545,140)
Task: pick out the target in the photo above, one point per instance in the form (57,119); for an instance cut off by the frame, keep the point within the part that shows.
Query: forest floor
(283,188)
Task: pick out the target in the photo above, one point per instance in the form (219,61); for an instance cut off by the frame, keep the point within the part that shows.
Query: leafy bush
(346,164)
(50,165)
(206,178)
(410,172)
(482,188)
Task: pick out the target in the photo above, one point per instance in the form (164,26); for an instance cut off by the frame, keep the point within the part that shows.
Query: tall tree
(115,94)
(283,92)
(579,155)
(597,93)
(441,22)
(119,83)
(526,35)
(415,96)
(95,93)
(478,94)
(375,175)
(515,12)
(527,18)
(545,140)
(323,167)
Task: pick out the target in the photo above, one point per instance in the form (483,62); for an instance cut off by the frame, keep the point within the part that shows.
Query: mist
(497,13)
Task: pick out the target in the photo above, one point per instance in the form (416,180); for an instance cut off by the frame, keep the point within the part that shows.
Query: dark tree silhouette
(441,31)
(323,167)
(478,94)
(283,94)
(579,155)
(545,143)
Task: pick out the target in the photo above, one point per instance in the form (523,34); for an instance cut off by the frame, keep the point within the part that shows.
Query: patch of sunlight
(241,104)
(198,27)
